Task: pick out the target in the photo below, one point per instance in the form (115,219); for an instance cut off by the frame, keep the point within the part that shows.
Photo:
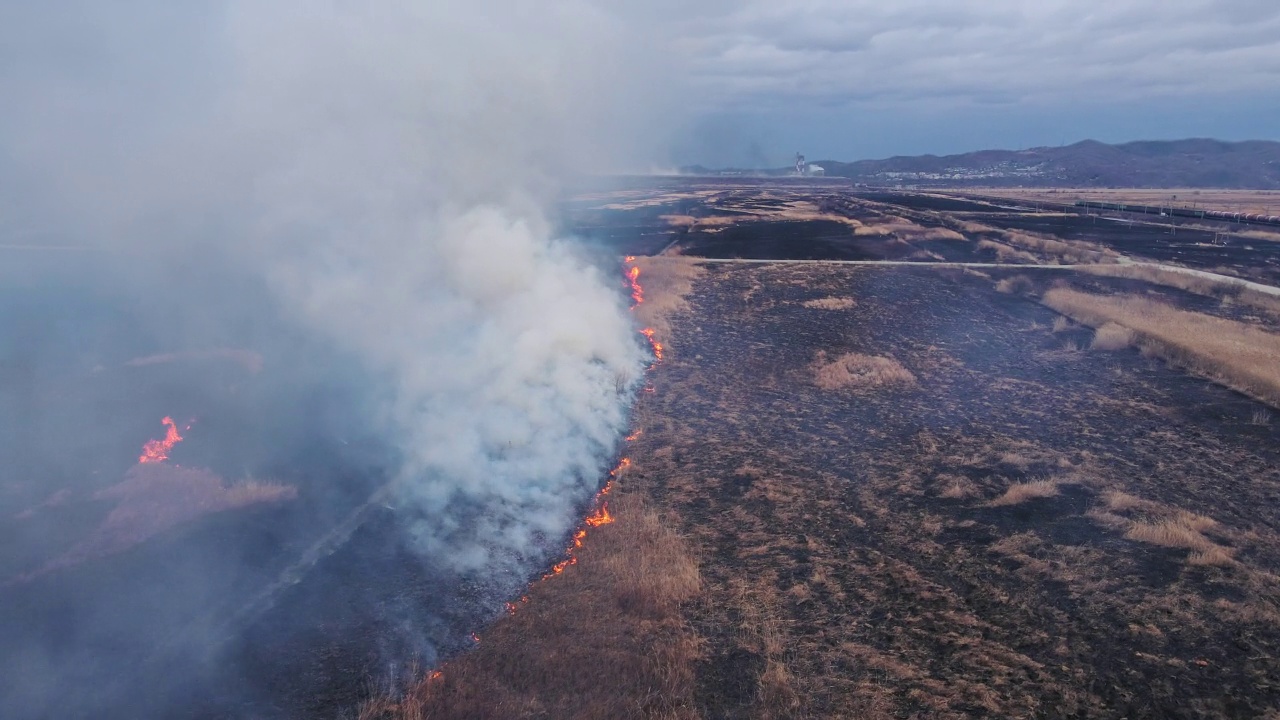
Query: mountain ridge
(1192,162)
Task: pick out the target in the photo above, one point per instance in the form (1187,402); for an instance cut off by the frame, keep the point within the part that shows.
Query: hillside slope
(1177,163)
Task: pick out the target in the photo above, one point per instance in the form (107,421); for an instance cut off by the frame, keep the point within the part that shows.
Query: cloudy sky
(849,79)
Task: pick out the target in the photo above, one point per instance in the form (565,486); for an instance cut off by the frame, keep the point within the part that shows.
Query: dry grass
(1117,501)
(1228,290)
(713,223)
(1023,492)
(1183,531)
(1168,278)
(1233,353)
(1004,253)
(666,282)
(1259,300)
(1017,284)
(1156,524)
(1112,337)
(156,497)
(1267,235)
(957,487)
(1069,252)
(603,639)
(831,303)
(858,371)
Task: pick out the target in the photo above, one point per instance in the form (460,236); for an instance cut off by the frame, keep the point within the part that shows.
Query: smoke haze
(358,195)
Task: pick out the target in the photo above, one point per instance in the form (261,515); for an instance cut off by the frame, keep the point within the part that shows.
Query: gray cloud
(759,54)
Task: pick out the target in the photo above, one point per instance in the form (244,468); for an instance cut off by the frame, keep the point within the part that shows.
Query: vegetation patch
(857,371)
(1233,353)
(831,303)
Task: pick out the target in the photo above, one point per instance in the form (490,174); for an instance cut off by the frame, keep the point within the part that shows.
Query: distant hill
(1197,162)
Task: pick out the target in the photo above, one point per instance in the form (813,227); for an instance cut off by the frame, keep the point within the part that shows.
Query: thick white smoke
(404,220)
(386,168)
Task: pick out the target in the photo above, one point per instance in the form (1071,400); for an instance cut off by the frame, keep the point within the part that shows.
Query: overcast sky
(849,79)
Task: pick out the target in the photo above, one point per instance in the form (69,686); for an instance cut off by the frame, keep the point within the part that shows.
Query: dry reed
(1238,355)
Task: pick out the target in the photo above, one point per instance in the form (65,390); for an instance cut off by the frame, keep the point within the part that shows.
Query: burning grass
(667,280)
(860,372)
(1233,353)
(603,639)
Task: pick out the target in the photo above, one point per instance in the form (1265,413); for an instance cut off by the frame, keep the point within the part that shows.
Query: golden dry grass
(1157,524)
(1238,355)
(857,371)
(1068,251)
(1023,492)
(1196,284)
(831,303)
(1183,530)
(603,639)
(1014,285)
(666,281)
(713,223)
(1004,253)
(1169,278)
(1112,337)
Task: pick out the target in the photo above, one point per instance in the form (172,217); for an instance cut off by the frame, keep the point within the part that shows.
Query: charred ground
(920,491)
(867,526)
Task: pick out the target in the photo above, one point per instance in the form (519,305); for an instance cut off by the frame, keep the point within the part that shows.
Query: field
(914,490)
(901,455)
(1266,202)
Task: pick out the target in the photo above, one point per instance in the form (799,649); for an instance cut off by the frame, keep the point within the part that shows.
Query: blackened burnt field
(1009,473)
(985,521)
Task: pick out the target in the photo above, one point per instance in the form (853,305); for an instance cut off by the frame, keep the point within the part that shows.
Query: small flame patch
(155,451)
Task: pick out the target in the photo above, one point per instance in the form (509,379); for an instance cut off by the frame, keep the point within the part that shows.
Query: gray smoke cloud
(386,170)
(380,176)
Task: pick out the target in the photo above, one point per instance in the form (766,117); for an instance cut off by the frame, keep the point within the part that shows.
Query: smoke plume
(360,193)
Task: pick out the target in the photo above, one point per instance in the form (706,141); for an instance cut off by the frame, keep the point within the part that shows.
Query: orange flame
(637,292)
(657,346)
(155,451)
(633,437)
(599,516)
